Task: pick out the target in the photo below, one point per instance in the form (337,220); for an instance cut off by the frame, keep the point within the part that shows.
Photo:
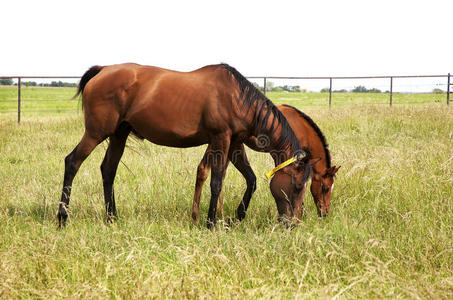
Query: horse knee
(251,182)
(202,173)
(216,189)
(69,162)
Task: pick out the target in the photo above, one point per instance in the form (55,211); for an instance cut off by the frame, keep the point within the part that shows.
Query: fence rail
(265,79)
(331,78)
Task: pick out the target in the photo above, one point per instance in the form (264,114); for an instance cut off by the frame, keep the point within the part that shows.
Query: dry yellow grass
(388,234)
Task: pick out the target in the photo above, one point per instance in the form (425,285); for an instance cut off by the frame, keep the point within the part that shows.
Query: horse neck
(321,166)
(310,139)
(279,151)
(281,155)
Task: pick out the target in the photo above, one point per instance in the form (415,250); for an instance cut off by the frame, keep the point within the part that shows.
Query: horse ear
(335,170)
(332,171)
(313,161)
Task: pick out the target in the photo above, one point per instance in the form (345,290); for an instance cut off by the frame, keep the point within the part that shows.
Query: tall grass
(389,234)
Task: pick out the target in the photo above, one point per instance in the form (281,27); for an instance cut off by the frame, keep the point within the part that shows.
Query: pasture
(388,235)
(44,101)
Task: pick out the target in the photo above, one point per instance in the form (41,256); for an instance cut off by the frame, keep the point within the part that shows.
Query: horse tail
(93,71)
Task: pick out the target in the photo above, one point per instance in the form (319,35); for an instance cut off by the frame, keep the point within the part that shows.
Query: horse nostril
(323,214)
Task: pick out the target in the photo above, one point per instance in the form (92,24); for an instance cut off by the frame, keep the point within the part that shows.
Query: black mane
(318,132)
(253,97)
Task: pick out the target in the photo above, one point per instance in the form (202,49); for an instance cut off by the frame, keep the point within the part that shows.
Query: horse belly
(169,129)
(173,139)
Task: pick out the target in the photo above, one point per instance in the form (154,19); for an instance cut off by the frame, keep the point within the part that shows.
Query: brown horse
(310,137)
(213,105)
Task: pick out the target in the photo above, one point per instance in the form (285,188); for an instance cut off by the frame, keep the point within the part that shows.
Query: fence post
(448,90)
(391,91)
(264,86)
(18,99)
(330,94)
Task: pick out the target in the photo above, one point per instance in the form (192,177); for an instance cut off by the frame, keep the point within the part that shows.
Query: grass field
(44,101)
(389,234)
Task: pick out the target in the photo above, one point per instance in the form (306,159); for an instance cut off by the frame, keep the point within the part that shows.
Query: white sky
(279,38)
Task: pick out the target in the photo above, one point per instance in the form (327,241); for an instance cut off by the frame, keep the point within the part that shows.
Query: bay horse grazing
(311,138)
(213,105)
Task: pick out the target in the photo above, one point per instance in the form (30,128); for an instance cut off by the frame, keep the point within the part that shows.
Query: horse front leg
(239,159)
(218,160)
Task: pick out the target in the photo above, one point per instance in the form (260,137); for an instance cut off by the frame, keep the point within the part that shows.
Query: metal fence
(19,87)
(330,79)
(265,79)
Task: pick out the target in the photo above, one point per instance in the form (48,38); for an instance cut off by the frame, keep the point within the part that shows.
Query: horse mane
(318,132)
(251,96)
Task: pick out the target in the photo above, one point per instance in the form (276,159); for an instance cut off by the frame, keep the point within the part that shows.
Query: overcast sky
(279,38)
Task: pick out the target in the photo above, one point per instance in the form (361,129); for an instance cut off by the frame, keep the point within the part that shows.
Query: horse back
(166,107)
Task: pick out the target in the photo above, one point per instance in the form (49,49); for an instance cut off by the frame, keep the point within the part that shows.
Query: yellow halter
(281,166)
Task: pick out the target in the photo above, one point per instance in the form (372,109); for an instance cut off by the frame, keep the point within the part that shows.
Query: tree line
(270,87)
(9,81)
(357,89)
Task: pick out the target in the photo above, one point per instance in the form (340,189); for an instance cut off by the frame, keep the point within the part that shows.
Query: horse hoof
(195,218)
(111,219)
(240,215)
(62,217)
(210,224)
(230,222)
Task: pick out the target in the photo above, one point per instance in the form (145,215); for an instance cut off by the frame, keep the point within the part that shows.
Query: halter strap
(281,166)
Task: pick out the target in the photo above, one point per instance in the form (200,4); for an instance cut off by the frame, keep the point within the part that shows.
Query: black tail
(93,71)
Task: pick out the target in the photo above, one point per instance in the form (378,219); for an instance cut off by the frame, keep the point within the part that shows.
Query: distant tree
(269,86)
(59,84)
(340,91)
(258,86)
(29,83)
(325,90)
(438,91)
(295,89)
(288,88)
(360,89)
(374,90)
(285,88)
(6,81)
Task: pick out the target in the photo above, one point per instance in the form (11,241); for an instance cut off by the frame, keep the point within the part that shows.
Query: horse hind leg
(109,165)
(72,164)
(202,174)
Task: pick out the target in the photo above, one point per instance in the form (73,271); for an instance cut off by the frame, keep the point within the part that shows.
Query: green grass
(389,234)
(38,101)
(45,101)
(321,100)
